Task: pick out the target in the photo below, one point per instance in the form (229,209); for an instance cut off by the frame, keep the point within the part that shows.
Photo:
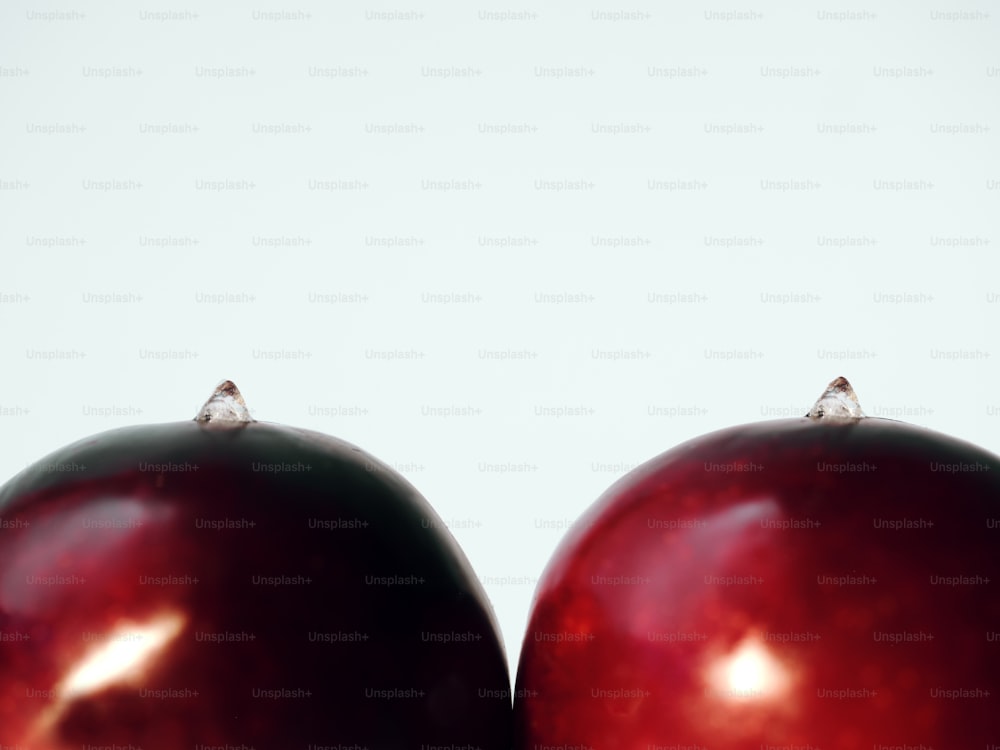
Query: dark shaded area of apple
(323,601)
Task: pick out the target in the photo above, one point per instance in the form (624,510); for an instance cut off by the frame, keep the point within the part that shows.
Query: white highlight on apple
(122,655)
(750,672)
(127,650)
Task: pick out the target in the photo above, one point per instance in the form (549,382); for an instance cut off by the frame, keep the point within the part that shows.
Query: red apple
(224,582)
(823,582)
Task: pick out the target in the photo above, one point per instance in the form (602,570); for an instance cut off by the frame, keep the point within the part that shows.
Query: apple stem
(226,404)
(838,401)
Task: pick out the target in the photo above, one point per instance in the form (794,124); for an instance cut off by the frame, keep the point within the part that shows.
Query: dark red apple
(824,582)
(230,583)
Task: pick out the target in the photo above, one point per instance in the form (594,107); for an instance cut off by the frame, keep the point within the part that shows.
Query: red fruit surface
(201,585)
(804,583)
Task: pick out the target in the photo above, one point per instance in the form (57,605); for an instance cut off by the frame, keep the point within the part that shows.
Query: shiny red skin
(711,567)
(114,512)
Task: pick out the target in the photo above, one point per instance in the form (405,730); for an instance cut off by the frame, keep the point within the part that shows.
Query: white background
(513,250)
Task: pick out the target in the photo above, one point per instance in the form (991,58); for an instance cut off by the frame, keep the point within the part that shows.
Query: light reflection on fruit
(750,672)
(127,653)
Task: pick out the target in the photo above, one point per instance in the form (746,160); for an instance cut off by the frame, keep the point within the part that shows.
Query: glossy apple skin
(690,606)
(255,538)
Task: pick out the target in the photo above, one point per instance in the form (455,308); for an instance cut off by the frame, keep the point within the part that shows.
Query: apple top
(838,401)
(226,404)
